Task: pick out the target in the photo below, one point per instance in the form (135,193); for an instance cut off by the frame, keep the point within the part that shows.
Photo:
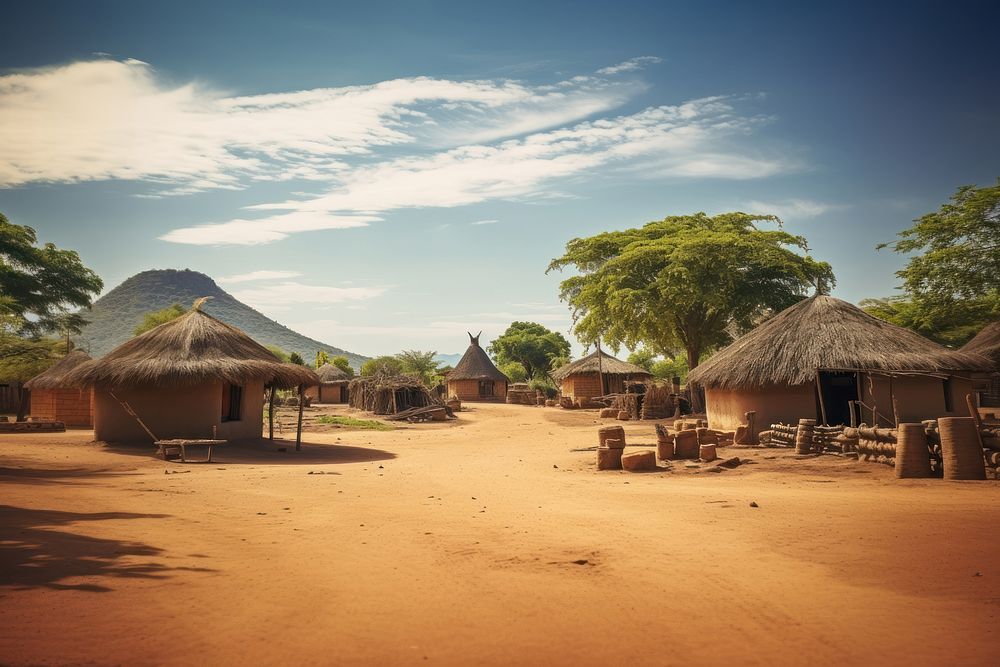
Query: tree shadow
(54,475)
(34,555)
(263,451)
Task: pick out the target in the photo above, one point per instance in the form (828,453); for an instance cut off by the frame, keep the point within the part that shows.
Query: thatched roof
(822,332)
(329,373)
(191,349)
(55,376)
(608,364)
(986,343)
(475,364)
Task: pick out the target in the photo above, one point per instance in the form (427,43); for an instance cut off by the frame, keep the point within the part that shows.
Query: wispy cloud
(690,140)
(479,223)
(792,209)
(630,65)
(254,276)
(109,119)
(291,293)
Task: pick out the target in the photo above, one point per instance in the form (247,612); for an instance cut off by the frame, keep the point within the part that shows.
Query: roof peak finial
(474,340)
(199,302)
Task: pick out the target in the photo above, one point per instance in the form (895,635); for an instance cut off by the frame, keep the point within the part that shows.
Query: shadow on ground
(270,453)
(24,475)
(35,555)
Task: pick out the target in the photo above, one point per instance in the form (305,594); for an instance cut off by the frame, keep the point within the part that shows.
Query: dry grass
(55,376)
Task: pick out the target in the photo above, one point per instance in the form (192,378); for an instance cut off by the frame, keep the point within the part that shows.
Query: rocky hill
(116,314)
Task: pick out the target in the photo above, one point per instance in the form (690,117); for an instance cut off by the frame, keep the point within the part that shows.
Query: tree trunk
(697,404)
(22,402)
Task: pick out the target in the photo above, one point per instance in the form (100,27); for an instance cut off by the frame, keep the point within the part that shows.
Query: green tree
(419,364)
(531,345)
(643,358)
(322,358)
(343,363)
(557,362)
(23,357)
(685,281)
(670,367)
(951,281)
(156,318)
(280,354)
(383,364)
(296,358)
(514,371)
(40,285)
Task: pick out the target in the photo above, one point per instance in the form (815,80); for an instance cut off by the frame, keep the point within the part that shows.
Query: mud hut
(987,344)
(193,377)
(825,359)
(475,377)
(332,387)
(52,398)
(597,374)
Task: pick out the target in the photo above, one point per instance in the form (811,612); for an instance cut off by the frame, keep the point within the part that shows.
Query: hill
(116,314)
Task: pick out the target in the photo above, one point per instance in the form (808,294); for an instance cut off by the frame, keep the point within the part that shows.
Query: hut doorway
(345,394)
(486,389)
(838,390)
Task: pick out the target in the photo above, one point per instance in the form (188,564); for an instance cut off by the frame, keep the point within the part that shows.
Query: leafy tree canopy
(322,358)
(951,282)
(40,284)
(514,371)
(296,358)
(685,282)
(280,354)
(342,362)
(670,367)
(420,364)
(156,318)
(643,358)
(384,364)
(531,345)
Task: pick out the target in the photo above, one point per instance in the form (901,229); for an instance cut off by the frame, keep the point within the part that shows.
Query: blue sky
(404,172)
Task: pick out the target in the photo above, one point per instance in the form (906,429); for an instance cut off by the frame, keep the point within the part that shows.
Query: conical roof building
(475,377)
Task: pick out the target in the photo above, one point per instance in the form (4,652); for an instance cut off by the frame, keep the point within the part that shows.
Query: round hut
(475,377)
(987,344)
(52,398)
(597,374)
(193,377)
(823,359)
(332,387)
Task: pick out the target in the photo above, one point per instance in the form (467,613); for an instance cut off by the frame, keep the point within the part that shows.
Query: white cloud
(630,65)
(690,140)
(792,209)
(108,119)
(254,276)
(479,223)
(281,296)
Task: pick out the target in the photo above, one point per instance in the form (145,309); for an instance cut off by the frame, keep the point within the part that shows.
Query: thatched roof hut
(987,344)
(193,377)
(332,387)
(597,374)
(53,398)
(475,377)
(55,376)
(815,358)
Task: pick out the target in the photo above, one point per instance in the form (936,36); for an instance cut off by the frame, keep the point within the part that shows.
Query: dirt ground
(486,541)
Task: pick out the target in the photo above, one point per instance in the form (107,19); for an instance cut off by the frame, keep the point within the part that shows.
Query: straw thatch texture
(387,394)
(608,364)
(55,376)
(822,332)
(192,349)
(475,364)
(986,343)
(329,373)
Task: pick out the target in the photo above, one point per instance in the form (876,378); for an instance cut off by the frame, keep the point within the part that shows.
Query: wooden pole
(600,368)
(895,405)
(298,429)
(822,405)
(270,413)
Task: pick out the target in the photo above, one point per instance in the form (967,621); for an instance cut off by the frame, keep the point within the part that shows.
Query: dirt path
(485,542)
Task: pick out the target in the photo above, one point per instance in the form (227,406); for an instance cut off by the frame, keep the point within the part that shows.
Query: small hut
(388,394)
(987,344)
(193,377)
(475,377)
(597,374)
(51,398)
(825,359)
(332,387)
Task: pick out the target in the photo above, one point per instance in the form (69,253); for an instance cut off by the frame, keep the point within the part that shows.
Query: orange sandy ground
(454,544)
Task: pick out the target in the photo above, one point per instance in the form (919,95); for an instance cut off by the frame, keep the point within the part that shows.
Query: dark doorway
(345,394)
(838,390)
(486,389)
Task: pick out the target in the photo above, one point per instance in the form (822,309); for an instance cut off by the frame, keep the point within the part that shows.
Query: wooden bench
(178,446)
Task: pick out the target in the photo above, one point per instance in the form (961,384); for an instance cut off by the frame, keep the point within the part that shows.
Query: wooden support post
(819,395)
(895,405)
(298,430)
(270,413)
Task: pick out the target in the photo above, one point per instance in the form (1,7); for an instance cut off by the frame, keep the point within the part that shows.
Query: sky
(385,176)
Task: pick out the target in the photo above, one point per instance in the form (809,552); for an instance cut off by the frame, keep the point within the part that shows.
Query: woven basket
(804,436)
(913,459)
(961,454)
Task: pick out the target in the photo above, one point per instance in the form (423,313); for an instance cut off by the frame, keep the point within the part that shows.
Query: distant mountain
(447,359)
(116,314)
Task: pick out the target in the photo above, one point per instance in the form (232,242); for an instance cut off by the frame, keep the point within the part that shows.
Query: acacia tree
(420,364)
(158,317)
(952,284)
(343,363)
(685,282)
(531,345)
